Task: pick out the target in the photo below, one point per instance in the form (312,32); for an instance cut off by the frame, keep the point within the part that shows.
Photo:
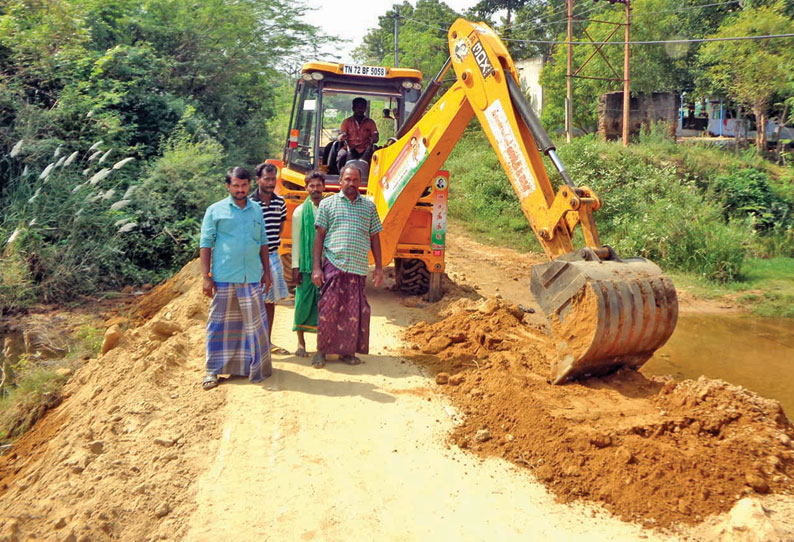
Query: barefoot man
(306,293)
(347,228)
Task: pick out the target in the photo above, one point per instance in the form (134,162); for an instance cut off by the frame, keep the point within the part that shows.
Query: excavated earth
(117,459)
(648,449)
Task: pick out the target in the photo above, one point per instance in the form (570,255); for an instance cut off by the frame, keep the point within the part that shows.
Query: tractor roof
(339,69)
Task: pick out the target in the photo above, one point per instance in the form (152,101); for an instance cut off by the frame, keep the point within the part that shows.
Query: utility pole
(626,79)
(396,36)
(569,76)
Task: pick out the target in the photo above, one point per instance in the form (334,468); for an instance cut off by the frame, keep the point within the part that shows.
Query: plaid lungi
(237,342)
(278,289)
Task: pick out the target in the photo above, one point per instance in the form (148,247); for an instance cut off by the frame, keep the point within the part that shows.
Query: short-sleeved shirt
(234,235)
(274,214)
(349,226)
(359,135)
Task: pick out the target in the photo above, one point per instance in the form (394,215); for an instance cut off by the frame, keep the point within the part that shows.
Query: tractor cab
(323,99)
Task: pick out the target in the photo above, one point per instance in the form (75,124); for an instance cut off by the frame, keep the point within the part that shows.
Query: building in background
(529,77)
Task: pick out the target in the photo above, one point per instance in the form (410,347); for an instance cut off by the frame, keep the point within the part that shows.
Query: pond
(757,353)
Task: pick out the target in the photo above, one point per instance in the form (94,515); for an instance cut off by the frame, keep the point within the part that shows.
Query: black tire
(411,276)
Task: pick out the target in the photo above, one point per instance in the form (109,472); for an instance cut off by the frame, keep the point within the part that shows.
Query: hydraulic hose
(424,100)
(542,140)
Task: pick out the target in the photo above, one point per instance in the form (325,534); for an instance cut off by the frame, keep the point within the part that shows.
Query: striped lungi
(237,342)
(278,289)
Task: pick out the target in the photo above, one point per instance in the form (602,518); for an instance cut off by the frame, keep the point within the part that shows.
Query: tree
(180,87)
(488,8)
(654,67)
(127,71)
(750,72)
(422,37)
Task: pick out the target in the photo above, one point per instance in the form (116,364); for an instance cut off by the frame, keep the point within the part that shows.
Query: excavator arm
(485,87)
(606,313)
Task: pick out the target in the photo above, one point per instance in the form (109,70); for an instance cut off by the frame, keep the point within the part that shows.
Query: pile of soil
(648,449)
(118,458)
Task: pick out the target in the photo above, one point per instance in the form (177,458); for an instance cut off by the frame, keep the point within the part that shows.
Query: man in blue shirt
(234,260)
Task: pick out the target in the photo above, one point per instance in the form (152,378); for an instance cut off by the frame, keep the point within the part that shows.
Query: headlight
(417,86)
(407,84)
(306,76)
(317,76)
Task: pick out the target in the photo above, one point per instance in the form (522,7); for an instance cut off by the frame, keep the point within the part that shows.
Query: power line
(579,14)
(597,7)
(657,42)
(549,23)
(651,42)
(445,30)
(691,7)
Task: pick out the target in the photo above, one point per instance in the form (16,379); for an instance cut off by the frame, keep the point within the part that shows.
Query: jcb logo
(481,57)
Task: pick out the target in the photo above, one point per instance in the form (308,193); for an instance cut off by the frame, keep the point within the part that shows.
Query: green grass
(20,409)
(34,386)
(767,288)
(88,341)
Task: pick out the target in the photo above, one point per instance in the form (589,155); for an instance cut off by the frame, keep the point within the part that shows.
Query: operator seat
(363,165)
(329,157)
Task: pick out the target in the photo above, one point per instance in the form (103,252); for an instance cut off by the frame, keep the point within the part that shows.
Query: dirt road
(138,451)
(360,453)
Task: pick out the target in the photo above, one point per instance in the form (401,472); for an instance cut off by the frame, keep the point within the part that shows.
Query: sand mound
(647,449)
(117,459)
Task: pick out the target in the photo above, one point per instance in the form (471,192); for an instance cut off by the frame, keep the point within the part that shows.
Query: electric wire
(656,42)
(646,42)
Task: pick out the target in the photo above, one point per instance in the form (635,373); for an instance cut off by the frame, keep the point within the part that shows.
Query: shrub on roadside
(653,212)
(86,222)
(17,290)
(748,192)
(650,209)
(170,204)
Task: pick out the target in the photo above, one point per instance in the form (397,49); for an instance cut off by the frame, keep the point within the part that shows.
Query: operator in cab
(360,134)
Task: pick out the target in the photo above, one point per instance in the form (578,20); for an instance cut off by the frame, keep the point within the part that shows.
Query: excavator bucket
(604,314)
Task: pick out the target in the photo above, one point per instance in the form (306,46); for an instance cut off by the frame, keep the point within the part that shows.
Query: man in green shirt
(347,228)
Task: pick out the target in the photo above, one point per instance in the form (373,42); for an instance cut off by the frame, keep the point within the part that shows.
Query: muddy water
(757,353)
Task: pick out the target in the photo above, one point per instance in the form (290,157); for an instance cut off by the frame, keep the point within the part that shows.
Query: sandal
(350,360)
(318,362)
(278,350)
(209,382)
(301,352)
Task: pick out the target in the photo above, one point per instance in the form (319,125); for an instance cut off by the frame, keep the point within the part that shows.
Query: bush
(17,290)
(651,211)
(84,224)
(651,208)
(747,192)
(170,204)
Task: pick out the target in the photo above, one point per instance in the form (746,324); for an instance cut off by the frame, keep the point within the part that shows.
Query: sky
(351,19)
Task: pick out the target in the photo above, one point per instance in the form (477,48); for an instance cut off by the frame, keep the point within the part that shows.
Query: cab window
(301,146)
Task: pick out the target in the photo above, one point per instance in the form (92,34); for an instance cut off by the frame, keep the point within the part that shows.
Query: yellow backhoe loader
(605,312)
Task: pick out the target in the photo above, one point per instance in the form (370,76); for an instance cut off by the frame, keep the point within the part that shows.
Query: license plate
(366,71)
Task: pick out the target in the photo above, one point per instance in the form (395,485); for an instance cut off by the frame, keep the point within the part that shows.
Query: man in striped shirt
(347,228)
(274,211)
